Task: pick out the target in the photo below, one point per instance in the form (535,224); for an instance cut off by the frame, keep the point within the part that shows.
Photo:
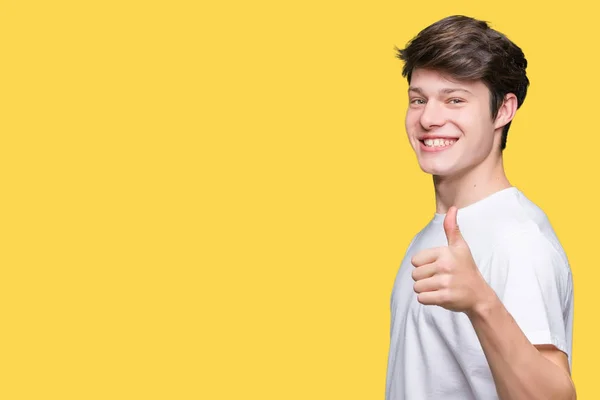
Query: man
(482,306)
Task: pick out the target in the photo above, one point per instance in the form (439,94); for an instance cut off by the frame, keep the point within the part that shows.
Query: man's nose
(432,115)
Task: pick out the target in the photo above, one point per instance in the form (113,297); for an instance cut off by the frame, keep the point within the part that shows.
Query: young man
(482,306)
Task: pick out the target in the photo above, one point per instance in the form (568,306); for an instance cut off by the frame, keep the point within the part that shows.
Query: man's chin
(444,174)
(435,171)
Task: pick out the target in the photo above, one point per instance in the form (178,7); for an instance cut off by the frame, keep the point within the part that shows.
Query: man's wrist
(486,305)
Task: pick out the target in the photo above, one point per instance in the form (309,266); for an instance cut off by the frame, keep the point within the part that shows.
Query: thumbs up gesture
(448,276)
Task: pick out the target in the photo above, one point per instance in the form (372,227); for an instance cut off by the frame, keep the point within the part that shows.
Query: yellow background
(210,200)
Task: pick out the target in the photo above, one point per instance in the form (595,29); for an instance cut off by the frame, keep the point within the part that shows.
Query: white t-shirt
(435,353)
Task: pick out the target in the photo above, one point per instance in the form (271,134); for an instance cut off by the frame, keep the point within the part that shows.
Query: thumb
(451,227)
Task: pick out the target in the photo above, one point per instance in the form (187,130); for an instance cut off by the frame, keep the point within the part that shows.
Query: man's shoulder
(518,213)
(528,229)
(524,235)
(530,247)
(518,227)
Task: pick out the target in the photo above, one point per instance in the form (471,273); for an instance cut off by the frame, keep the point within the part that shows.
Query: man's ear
(507,111)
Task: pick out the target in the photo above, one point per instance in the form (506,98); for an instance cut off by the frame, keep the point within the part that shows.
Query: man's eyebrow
(415,89)
(443,91)
(452,90)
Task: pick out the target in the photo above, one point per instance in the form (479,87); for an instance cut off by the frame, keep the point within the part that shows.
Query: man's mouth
(441,142)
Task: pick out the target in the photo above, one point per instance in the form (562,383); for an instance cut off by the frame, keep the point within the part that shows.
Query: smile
(437,144)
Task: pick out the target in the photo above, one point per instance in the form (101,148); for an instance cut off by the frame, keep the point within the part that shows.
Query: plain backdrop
(211,200)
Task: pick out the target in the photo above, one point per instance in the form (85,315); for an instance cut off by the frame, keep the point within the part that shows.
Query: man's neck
(470,186)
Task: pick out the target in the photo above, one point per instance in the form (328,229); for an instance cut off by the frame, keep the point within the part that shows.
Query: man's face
(449,123)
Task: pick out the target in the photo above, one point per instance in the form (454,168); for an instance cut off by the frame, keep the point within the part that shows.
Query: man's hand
(448,276)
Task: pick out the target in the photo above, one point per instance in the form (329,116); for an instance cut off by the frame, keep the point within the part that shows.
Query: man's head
(480,64)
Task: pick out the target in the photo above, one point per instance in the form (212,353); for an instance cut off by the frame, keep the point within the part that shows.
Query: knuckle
(446,281)
(444,266)
(445,296)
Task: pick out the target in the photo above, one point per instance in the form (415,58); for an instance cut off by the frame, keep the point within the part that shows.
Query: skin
(466,172)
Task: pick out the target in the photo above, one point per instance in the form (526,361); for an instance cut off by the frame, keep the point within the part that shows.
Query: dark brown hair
(468,49)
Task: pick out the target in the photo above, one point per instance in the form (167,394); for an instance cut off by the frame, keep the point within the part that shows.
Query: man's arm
(449,277)
(520,370)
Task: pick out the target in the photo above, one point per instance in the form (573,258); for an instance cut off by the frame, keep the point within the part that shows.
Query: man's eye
(417,101)
(455,101)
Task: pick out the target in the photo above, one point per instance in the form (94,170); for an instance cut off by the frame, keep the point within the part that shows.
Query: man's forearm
(520,371)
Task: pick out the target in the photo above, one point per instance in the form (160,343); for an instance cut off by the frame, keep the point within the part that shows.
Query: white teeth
(438,142)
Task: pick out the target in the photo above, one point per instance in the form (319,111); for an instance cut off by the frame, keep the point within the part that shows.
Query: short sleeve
(532,279)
